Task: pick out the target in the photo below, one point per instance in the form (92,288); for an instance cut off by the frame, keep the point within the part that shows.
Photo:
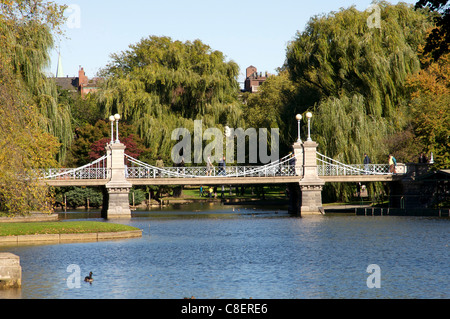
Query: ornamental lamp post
(227,131)
(112,119)
(117,118)
(299,117)
(309,116)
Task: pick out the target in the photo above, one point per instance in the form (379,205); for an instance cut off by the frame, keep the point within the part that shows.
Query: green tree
(83,110)
(26,140)
(275,105)
(160,84)
(359,74)
(431,116)
(26,31)
(24,148)
(81,196)
(91,140)
(136,196)
(340,55)
(430,109)
(439,38)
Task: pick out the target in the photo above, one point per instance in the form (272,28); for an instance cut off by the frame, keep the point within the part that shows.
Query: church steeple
(59,70)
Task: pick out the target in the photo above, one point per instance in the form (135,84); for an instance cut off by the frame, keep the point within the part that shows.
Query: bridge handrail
(239,170)
(258,169)
(48,174)
(351,168)
(276,168)
(156,169)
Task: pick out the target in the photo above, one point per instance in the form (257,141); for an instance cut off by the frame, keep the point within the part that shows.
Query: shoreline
(33,217)
(38,228)
(69,237)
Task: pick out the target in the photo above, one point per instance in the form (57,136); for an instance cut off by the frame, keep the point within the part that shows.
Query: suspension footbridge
(282,171)
(305,171)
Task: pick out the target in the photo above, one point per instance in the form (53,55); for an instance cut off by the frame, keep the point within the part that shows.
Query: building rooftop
(254,79)
(81,84)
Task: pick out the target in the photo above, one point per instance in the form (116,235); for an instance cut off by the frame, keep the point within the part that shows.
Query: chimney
(251,70)
(82,79)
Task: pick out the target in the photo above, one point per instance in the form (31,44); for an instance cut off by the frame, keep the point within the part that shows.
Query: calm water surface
(237,252)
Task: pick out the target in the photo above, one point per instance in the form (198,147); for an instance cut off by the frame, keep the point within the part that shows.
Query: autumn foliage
(430,108)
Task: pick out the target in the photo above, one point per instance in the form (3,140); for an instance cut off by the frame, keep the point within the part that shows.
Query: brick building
(253,80)
(81,84)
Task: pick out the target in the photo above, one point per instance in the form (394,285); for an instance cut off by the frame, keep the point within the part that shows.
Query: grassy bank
(77,227)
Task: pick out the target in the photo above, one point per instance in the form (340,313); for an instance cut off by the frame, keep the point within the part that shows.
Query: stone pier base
(311,199)
(306,199)
(10,271)
(118,203)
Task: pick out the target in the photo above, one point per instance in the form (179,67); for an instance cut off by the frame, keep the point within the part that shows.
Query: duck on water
(89,278)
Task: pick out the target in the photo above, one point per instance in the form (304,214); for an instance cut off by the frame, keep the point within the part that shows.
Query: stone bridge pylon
(118,188)
(306,195)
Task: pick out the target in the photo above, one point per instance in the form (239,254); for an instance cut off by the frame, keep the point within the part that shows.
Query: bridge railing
(355,169)
(327,166)
(136,169)
(70,173)
(202,171)
(94,170)
(139,169)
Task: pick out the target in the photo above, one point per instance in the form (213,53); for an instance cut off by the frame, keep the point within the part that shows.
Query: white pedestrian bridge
(284,170)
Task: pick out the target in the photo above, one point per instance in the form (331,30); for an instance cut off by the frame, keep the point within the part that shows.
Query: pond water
(240,252)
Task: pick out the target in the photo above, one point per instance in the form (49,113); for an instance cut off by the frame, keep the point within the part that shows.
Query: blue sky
(247,32)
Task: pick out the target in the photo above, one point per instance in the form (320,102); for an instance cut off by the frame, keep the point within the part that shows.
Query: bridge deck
(76,182)
(224,180)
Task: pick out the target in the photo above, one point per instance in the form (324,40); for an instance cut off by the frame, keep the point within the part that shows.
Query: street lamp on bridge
(113,118)
(117,118)
(309,116)
(299,118)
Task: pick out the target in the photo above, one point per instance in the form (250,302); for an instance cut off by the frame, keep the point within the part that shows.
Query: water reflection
(14,293)
(241,252)
(190,210)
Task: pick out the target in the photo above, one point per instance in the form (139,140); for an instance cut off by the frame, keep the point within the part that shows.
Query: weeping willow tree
(160,84)
(341,55)
(27,106)
(24,149)
(359,72)
(275,106)
(26,33)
